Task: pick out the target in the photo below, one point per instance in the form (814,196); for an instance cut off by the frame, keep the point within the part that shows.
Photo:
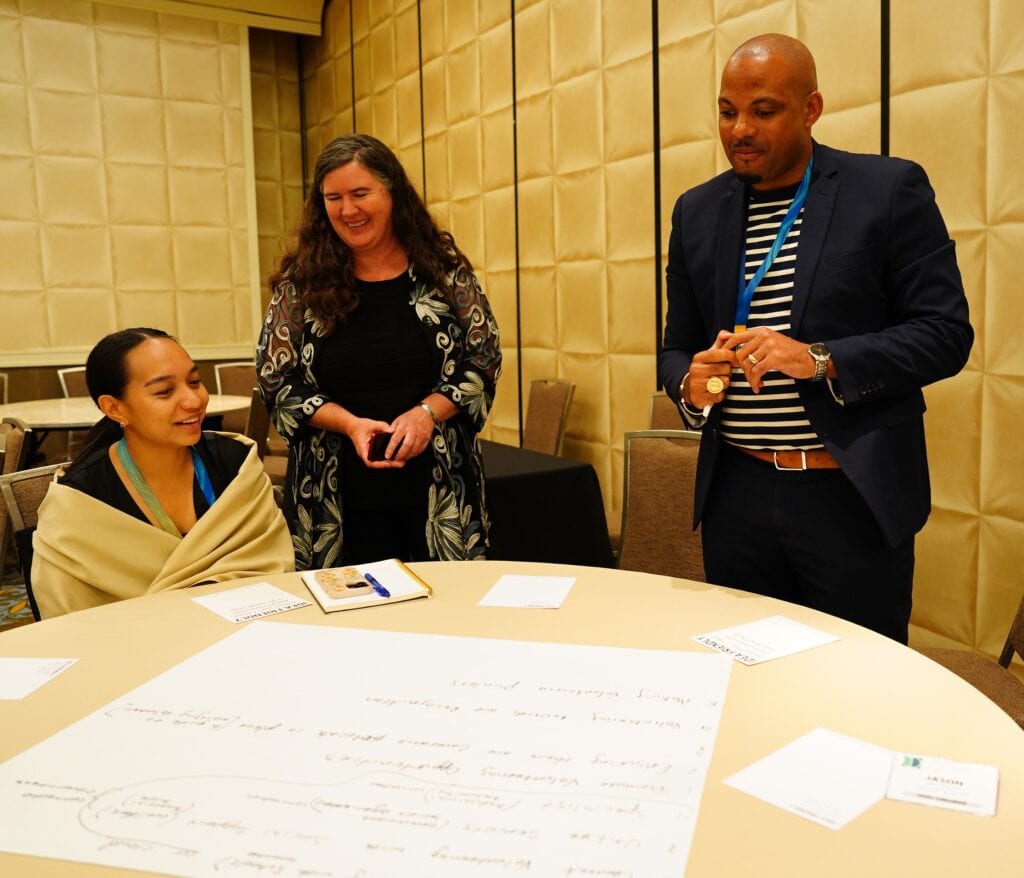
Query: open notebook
(364,585)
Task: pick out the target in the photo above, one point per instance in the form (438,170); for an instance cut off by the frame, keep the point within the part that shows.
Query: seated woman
(151,502)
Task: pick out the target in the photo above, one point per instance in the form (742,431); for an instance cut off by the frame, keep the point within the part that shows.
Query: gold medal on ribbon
(715,384)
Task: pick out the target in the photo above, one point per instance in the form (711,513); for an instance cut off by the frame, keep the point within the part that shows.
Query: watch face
(821,355)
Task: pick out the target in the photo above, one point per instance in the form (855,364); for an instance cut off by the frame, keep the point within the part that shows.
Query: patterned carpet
(14,609)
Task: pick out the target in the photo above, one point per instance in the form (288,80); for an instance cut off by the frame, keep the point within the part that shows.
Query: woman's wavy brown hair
(320,265)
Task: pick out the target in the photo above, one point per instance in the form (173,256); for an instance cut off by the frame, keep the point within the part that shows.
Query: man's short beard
(751,179)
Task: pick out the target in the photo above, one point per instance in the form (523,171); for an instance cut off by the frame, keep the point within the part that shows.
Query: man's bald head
(796,56)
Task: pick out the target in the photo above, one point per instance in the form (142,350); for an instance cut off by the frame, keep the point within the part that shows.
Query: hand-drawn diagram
(444,756)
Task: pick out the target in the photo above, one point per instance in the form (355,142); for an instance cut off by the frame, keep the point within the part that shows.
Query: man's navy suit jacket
(876,280)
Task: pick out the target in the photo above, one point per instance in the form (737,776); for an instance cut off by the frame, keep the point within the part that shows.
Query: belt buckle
(802,468)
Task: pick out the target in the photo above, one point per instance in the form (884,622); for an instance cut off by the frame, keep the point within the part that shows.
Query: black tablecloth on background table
(544,508)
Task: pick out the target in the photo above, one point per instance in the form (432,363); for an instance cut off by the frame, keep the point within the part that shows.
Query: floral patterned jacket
(463,337)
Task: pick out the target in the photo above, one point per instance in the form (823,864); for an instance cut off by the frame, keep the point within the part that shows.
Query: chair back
(13,455)
(13,445)
(994,680)
(664,413)
(547,414)
(22,493)
(660,468)
(72,381)
(1015,637)
(3,388)
(257,428)
(237,379)
(257,422)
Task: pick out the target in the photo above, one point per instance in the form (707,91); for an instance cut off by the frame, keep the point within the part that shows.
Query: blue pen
(377,587)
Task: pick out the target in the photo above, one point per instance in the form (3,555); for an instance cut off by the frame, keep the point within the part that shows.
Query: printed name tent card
(22,676)
(765,639)
(943,783)
(251,602)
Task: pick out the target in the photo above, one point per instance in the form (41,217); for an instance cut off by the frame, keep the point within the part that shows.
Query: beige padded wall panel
(327,80)
(277,144)
(498,259)
(123,141)
(844,36)
(467,130)
(947,57)
(405,96)
(585,138)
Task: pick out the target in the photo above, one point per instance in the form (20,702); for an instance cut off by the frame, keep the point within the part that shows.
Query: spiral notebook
(364,585)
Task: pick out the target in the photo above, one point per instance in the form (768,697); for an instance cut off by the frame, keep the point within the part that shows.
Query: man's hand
(762,350)
(716,362)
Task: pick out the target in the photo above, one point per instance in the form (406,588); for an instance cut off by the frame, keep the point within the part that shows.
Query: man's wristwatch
(821,356)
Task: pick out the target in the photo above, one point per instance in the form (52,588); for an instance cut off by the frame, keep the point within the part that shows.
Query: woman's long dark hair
(319,263)
(106,374)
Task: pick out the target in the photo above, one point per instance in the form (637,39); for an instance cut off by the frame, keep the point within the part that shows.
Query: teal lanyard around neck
(149,498)
(746,288)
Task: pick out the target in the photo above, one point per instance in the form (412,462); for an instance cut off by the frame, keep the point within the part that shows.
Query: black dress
(377,364)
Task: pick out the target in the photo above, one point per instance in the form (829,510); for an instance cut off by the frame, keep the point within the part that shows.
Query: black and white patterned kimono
(465,349)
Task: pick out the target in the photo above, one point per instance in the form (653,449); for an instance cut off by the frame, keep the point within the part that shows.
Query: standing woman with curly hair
(378,361)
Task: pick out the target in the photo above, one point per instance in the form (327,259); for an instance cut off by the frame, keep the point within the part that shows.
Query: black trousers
(805,537)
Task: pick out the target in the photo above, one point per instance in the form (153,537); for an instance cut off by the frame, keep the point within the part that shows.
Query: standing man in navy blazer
(805,370)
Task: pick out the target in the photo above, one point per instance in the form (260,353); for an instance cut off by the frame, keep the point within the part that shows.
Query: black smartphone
(379,445)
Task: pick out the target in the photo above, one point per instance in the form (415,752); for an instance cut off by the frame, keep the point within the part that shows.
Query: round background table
(79,412)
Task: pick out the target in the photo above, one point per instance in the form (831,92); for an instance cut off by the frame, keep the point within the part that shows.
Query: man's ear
(813,105)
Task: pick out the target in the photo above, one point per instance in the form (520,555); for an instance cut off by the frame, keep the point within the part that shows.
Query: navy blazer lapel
(729,240)
(821,199)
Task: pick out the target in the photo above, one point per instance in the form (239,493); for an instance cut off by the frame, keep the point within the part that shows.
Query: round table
(79,412)
(863,686)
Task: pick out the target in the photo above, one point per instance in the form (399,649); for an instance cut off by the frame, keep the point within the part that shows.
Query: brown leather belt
(796,460)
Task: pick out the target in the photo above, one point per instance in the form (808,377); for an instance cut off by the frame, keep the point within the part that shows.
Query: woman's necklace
(156,509)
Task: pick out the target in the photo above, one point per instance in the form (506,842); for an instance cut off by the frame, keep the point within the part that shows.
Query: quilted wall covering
(126,184)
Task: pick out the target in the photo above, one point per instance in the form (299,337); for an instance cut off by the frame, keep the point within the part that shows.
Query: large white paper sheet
(300,750)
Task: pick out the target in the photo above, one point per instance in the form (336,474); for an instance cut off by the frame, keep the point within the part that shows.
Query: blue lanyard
(203,477)
(150,499)
(746,288)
